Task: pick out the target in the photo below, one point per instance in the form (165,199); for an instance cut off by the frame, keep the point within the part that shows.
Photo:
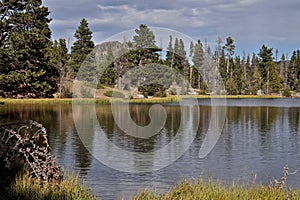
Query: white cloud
(245,20)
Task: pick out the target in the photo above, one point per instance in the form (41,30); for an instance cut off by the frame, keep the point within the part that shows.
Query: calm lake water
(259,137)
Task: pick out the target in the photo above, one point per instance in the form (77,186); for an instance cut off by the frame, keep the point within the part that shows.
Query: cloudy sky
(251,23)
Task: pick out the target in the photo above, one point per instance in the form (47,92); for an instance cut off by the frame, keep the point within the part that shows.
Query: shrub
(29,171)
(25,144)
(287,92)
(116,94)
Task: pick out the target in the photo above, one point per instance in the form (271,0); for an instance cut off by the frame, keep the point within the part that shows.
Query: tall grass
(188,190)
(26,188)
(87,100)
(56,101)
(149,100)
(157,100)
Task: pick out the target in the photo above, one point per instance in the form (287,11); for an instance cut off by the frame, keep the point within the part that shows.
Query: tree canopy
(32,65)
(25,42)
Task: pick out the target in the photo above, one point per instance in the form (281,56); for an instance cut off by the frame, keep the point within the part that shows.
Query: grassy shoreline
(189,190)
(168,99)
(26,188)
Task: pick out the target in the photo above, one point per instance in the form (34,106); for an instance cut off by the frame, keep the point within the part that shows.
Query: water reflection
(139,154)
(62,135)
(255,140)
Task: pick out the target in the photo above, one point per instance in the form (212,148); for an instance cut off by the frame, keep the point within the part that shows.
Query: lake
(259,137)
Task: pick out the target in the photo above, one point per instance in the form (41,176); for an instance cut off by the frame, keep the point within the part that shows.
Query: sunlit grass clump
(188,190)
(25,188)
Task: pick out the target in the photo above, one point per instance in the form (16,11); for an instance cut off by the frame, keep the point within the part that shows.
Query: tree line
(33,65)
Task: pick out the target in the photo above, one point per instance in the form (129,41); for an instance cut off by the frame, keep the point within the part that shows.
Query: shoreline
(168,99)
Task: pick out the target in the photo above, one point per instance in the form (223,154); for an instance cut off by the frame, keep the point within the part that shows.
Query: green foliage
(24,45)
(265,55)
(256,81)
(274,78)
(229,46)
(287,92)
(71,187)
(116,94)
(170,52)
(198,58)
(145,37)
(59,58)
(293,71)
(134,58)
(82,46)
(231,87)
(153,89)
(189,190)
(109,76)
(33,66)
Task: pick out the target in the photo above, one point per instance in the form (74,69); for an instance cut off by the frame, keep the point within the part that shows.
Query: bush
(153,89)
(25,144)
(116,94)
(100,86)
(287,92)
(28,170)
(145,94)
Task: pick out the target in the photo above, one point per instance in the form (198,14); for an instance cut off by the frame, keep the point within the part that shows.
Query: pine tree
(59,58)
(177,58)
(229,46)
(238,77)
(256,81)
(274,78)
(170,52)
(145,37)
(249,74)
(109,76)
(266,55)
(270,74)
(198,60)
(292,71)
(82,46)
(24,50)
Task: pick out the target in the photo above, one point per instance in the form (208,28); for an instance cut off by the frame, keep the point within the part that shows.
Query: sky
(251,23)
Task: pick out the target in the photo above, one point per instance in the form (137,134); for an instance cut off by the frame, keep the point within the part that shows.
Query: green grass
(144,100)
(232,96)
(218,191)
(87,101)
(55,101)
(157,100)
(70,188)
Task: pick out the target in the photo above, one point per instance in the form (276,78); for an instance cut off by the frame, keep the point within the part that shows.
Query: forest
(32,65)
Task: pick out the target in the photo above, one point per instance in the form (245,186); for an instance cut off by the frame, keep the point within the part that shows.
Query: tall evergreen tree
(170,52)
(198,60)
(292,71)
(145,38)
(229,46)
(59,58)
(266,55)
(274,80)
(82,46)
(269,70)
(24,50)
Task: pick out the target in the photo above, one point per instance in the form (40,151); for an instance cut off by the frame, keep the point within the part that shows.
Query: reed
(25,188)
(189,190)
